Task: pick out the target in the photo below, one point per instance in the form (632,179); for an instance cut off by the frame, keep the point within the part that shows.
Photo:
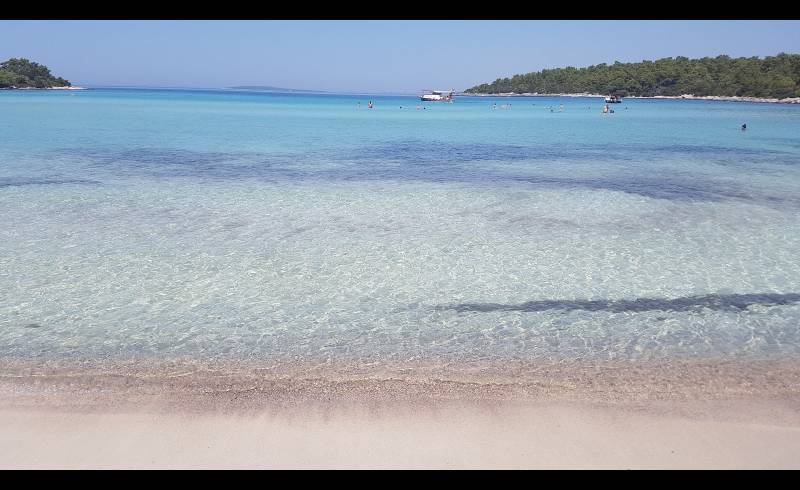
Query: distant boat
(613,99)
(438,96)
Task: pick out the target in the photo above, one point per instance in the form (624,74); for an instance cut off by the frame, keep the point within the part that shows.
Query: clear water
(266,226)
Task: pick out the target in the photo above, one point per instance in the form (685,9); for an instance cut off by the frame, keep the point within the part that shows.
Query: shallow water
(266,226)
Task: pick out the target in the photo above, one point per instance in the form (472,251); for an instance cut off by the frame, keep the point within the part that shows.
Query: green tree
(773,76)
(20,72)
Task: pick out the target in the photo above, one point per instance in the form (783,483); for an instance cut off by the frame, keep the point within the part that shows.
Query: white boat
(613,99)
(438,96)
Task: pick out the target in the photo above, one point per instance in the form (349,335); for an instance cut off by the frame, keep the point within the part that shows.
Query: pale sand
(500,436)
(690,415)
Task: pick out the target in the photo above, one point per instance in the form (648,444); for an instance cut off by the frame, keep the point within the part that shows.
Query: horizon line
(242,88)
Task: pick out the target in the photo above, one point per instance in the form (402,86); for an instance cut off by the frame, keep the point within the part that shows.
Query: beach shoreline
(200,384)
(178,415)
(469,296)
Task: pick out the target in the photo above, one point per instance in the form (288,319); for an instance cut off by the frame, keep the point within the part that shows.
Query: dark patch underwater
(440,162)
(730,302)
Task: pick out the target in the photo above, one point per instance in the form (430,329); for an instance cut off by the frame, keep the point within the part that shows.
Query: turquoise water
(266,226)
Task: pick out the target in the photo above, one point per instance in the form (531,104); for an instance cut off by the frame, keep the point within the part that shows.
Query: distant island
(22,73)
(264,88)
(773,78)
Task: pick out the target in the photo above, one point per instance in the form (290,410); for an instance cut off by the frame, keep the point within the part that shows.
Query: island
(265,88)
(20,73)
(769,79)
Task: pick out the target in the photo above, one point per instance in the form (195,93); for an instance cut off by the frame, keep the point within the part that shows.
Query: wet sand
(176,415)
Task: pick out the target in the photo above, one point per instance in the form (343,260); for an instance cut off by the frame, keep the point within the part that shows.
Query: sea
(278,228)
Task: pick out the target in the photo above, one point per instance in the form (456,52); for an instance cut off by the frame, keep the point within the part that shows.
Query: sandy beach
(174,415)
(497,436)
(270,244)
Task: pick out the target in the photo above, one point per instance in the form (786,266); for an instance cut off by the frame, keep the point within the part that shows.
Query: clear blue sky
(368,56)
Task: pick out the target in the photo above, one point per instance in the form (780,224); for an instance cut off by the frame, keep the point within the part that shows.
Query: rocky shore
(789,100)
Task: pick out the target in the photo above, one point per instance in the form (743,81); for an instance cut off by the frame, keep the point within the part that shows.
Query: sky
(366,56)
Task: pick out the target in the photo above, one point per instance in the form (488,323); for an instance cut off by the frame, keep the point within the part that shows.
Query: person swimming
(744,127)
(370,104)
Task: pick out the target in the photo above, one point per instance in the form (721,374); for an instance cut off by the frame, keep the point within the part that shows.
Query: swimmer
(744,127)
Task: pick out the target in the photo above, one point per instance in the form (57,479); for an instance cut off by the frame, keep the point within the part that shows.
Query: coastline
(66,88)
(175,415)
(202,385)
(790,100)
(45,88)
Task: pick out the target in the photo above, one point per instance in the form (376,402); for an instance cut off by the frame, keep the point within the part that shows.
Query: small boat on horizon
(613,99)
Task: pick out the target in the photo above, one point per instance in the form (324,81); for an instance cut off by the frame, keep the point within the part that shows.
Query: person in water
(744,127)
(370,104)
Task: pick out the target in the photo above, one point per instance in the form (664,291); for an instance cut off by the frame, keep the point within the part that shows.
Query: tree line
(22,73)
(770,77)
